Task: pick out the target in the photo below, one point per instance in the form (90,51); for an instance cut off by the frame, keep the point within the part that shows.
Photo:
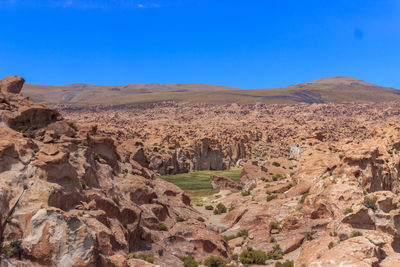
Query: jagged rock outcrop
(78,201)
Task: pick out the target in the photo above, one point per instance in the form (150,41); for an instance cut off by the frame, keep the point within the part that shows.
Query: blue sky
(245,44)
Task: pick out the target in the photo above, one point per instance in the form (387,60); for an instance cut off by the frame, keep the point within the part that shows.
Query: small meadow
(197,184)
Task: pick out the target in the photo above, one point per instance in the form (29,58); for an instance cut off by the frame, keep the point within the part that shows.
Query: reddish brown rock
(224,183)
(11,84)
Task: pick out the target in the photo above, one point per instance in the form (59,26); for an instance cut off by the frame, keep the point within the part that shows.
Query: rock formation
(69,198)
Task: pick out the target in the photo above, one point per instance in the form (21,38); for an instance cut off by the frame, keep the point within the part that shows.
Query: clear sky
(245,44)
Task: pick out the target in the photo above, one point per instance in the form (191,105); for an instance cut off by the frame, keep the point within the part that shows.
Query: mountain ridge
(330,89)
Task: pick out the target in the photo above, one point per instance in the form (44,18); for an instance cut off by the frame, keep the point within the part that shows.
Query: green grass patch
(197,184)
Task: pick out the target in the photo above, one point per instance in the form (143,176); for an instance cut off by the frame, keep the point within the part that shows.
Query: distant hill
(332,89)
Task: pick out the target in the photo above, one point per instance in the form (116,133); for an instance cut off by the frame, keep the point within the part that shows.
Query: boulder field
(79,186)
(171,137)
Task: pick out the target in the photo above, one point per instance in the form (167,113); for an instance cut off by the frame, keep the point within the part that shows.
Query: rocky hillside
(78,186)
(174,138)
(69,198)
(332,89)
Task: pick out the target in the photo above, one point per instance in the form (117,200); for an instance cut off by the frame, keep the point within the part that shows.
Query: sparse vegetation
(188,261)
(355,233)
(242,233)
(209,207)
(276,164)
(201,219)
(274,226)
(162,227)
(142,256)
(219,209)
(271,197)
(13,248)
(250,256)
(276,253)
(277,177)
(303,197)
(214,261)
(180,219)
(370,202)
(116,200)
(287,263)
(347,211)
(309,236)
(246,193)
(21,129)
(333,234)
(343,237)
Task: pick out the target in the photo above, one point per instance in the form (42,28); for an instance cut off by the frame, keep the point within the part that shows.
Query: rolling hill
(332,89)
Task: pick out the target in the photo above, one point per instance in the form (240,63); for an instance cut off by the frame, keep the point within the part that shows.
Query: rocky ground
(176,138)
(79,187)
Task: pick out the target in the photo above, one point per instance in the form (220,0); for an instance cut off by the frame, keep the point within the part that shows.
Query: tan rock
(12,84)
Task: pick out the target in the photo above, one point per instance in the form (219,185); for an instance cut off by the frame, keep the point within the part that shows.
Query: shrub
(341,156)
(343,237)
(209,207)
(303,197)
(219,209)
(274,225)
(245,192)
(230,209)
(162,227)
(142,256)
(275,254)
(116,199)
(347,211)
(287,263)
(228,237)
(264,169)
(21,129)
(355,233)
(370,202)
(272,239)
(271,197)
(309,236)
(180,219)
(214,261)
(276,164)
(242,233)
(13,248)
(201,219)
(277,177)
(331,245)
(250,256)
(188,261)
(333,234)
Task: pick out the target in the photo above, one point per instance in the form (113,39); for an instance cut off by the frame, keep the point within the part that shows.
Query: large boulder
(12,84)
(223,182)
(251,174)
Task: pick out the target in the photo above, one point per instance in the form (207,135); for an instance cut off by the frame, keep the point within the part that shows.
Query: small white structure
(295,152)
